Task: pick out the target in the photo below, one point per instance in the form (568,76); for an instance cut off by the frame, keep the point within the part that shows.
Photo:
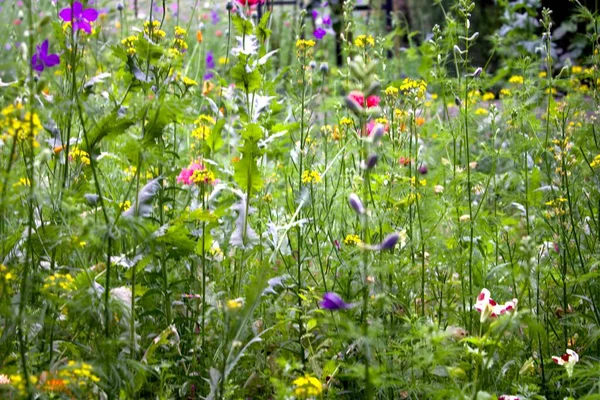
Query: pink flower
(372,124)
(372,101)
(357,97)
(185,176)
(508,397)
(250,2)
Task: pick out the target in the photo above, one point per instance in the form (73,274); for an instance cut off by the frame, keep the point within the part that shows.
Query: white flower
(568,360)
(247,45)
(4,380)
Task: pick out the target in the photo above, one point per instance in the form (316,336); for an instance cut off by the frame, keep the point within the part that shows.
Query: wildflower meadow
(311,200)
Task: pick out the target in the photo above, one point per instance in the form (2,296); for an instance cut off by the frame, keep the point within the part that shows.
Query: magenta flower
(78,17)
(332,301)
(41,59)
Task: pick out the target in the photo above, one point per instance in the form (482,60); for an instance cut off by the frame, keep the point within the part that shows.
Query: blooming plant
(247,200)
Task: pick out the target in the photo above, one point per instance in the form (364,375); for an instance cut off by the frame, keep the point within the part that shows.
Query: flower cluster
(203,127)
(302,44)
(307,386)
(489,308)
(311,177)
(17,123)
(351,239)
(80,155)
(152,30)
(359,98)
(416,87)
(58,281)
(79,374)
(364,40)
(129,43)
(196,173)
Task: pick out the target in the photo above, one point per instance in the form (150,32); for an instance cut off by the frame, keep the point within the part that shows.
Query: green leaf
(215,139)
(242,26)
(247,174)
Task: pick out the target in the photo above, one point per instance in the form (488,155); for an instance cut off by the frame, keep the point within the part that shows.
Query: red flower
(250,2)
(372,101)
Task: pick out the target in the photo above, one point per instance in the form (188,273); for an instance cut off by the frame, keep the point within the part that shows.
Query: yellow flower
(307,386)
(179,31)
(125,205)
(352,239)
(189,82)
(302,44)
(223,60)
(391,91)
(481,111)
(23,182)
(81,155)
(505,93)
(363,40)
(488,96)
(416,87)
(542,74)
(202,132)
(203,176)
(234,304)
(311,177)
(205,118)
(346,121)
(576,69)
(516,79)
(595,162)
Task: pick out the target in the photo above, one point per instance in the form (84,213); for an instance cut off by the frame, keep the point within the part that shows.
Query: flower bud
(377,132)
(120,6)
(353,105)
(312,64)
(371,161)
(356,204)
(389,242)
(457,101)
(324,68)
(229,6)
(422,169)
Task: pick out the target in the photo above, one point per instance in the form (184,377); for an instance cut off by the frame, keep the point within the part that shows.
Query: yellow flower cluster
(129,43)
(595,162)
(346,121)
(153,31)
(23,182)
(516,79)
(59,281)
(352,239)
(481,111)
(78,374)
(307,386)
(78,154)
(188,82)
(180,45)
(203,130)
(488,96)
(416,86)
(311,177)
(364,40)
(302,44)
(5,274)
(203,176)
(19,124)
(391,91)
(125,205)
(180,32)
(505,93)
(132,170)
(19,383)
(234,304)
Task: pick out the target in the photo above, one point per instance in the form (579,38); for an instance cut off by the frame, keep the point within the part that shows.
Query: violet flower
(210,65)
(78,17)
(356,204)
(332,301)
(319,33)
(41,59)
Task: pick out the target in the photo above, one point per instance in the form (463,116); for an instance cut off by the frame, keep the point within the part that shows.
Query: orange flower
(199,36)
(419,121)
(207,87)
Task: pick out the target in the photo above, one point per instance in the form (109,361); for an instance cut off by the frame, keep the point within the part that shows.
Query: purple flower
(319,33)
(315,14)
(210,60)
(423,169)
(214,16)
(332,301)
(389,242)
(327,20)
(41,59)
(356,204)
(78,17)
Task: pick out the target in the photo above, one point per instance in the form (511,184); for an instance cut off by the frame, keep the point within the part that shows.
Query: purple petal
(90,14)
(356,204)
(52,60)
(77,9)
(43,49)
(83,24)
(36,63)
(332,301)
(65,14)
(389,242)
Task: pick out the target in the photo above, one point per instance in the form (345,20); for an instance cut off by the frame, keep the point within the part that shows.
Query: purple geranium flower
(332,301)
(78,17)
(327,20)
(41,59)
(319,33)
(315,14)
